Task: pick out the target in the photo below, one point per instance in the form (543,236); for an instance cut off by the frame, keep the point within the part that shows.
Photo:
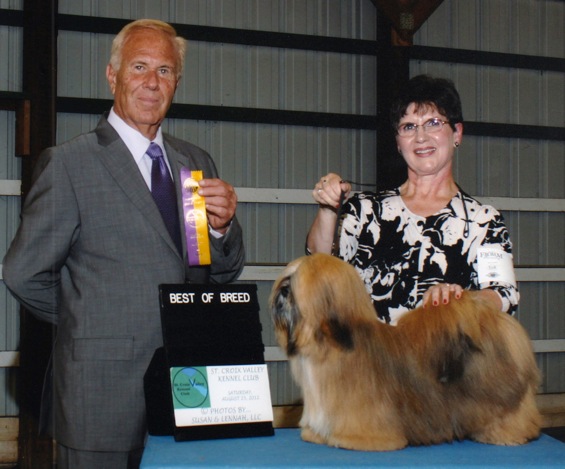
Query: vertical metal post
(392,72)
(35,451)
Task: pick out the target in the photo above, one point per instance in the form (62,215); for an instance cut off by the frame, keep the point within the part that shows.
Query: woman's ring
(319,190)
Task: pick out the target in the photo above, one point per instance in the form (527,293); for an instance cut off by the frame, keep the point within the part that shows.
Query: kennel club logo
(190,387)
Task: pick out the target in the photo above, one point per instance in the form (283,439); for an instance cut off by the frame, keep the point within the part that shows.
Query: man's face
(146,81)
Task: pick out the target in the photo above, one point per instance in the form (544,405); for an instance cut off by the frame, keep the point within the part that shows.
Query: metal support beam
(35,451)
(392,72)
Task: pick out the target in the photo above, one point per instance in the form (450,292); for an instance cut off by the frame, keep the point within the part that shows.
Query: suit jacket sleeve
(33,265)
(228,255)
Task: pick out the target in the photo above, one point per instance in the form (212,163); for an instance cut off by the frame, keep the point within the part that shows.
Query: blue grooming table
(285,450)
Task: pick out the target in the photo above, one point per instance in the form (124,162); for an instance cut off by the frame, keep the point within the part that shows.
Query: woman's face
(428,151)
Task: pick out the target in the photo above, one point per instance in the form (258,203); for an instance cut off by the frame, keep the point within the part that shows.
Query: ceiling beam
(406,16)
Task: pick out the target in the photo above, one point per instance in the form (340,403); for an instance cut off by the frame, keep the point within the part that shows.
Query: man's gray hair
(119,41)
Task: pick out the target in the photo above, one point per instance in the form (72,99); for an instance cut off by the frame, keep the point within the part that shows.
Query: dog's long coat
(462,370)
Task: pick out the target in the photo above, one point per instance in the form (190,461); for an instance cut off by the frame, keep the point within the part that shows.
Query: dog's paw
(309,435)
(501,441)
(507,436)
(368,442)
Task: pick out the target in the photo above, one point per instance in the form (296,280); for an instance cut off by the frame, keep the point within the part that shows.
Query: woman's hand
(441,294)
(327,191)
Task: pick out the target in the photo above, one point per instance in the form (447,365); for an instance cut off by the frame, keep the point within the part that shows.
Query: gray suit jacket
(89,256)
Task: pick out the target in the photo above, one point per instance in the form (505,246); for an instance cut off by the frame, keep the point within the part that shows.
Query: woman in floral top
(426,241)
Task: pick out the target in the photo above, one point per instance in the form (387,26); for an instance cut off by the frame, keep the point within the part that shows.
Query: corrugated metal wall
(9,217)
(11,81)
(294,157)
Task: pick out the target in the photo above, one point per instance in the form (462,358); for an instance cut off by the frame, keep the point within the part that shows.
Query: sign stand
(210,379)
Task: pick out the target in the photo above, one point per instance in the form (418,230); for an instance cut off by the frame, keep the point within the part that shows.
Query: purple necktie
(164,194)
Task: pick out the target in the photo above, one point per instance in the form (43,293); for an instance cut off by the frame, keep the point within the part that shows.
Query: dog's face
(314,301)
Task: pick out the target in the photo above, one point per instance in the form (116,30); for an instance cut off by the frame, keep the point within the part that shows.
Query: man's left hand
(221,202)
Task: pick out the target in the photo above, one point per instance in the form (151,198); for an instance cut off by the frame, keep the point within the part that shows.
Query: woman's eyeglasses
(430,126)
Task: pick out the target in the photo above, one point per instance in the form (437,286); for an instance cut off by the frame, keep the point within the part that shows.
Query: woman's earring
(456,144)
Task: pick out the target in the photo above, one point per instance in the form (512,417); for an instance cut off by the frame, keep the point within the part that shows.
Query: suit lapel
(116,157)
(177,160)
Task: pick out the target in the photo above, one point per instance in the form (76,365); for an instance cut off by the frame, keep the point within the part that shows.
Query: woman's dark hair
(424,90)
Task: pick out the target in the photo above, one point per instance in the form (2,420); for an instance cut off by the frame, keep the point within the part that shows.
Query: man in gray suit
(92,249)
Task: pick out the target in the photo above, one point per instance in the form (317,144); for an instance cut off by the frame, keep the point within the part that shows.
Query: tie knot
(154,151)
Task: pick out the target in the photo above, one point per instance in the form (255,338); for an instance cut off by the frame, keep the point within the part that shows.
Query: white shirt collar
(134,140)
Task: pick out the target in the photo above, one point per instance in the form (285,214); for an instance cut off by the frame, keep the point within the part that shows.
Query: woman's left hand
(441,294)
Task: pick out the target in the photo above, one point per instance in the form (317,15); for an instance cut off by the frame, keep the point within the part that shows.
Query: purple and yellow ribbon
(195,220)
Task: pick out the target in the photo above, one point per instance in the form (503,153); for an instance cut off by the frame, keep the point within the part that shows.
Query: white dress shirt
(138,145)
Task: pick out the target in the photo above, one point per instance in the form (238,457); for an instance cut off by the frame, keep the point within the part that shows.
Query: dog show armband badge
(495,265)
(195,220)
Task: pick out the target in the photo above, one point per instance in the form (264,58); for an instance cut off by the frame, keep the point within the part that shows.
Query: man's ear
(111,77)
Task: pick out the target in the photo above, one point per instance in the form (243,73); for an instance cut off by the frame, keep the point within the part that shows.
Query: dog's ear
(454,356)
(336,332)
(285,315)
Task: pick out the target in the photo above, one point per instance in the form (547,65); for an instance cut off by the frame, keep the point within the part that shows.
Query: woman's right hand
(327,191)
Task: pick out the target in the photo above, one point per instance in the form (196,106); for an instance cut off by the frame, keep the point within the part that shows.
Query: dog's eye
(283,297)
(284,289)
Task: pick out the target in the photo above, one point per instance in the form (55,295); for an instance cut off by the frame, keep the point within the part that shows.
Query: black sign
(203,325)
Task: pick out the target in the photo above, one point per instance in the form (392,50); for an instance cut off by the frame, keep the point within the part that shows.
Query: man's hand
(221,202)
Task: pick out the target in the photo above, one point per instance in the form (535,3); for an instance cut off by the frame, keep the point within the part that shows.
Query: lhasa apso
(455,371)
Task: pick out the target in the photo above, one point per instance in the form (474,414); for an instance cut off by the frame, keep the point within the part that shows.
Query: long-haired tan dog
(443,373)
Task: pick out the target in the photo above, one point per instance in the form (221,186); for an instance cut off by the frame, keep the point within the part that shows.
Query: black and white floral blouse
(399,255)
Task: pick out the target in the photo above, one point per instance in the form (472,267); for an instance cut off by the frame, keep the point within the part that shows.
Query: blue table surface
(286,449)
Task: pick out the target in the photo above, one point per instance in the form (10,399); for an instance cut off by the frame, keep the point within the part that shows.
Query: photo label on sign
(218,395)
